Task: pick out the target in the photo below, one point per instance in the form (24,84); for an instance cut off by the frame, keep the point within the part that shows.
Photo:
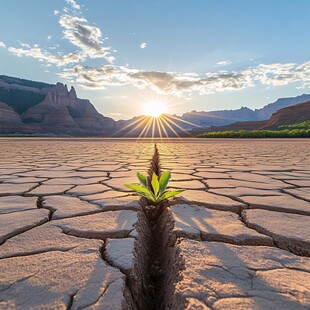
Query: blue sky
(192,55)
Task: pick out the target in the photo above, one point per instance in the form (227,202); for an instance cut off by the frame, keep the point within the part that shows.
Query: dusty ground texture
(242,240)
(73,237)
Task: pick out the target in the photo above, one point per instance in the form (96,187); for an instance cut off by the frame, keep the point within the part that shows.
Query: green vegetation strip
(299,130)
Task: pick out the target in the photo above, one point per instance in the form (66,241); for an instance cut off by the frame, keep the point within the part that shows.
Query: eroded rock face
(61,112)
(68,114)
(9,119)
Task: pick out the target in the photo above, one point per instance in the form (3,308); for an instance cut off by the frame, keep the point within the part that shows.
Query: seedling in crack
(157,193)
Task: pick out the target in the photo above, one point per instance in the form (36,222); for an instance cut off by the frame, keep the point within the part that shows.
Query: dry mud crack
(74,238)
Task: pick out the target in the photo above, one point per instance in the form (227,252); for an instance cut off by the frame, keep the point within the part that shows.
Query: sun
(155,108)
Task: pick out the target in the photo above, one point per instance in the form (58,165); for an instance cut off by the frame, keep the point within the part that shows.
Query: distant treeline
(300,130)
(20,100)
(303,125)
(29,83)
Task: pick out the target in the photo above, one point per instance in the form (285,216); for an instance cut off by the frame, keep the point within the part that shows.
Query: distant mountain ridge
(267,111)
(294,114)
(31,107)
(226,117)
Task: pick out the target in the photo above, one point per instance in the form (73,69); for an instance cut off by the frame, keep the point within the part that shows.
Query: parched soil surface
(73,237)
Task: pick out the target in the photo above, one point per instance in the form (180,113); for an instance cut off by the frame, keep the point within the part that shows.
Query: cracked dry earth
(73,237)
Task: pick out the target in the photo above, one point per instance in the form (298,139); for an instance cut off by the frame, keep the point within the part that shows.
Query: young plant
(158,192)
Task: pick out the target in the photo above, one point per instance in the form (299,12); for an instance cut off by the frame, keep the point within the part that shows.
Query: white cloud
(86,37)
(24,44)
(78,32)
(282,74)
(73,4)
(188,83)
(90,44)
(59,60)
(223,63)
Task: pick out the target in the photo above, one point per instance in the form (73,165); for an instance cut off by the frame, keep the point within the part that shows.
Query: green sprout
(158,192)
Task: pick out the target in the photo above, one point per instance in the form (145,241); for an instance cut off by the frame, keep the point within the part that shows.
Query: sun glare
(156,122)
(155,108)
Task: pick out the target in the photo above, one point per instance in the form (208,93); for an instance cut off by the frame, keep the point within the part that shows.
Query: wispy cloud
(283,74)
(179,84)
(161,82)
(73,4)
(223,63)
(89,43)
(57,59)
(86,37)
(76,29)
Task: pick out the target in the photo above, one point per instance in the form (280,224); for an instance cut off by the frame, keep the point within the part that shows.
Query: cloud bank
(183,83)
(90,44)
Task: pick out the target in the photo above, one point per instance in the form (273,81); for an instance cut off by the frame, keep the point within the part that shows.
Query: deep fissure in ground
(156,267)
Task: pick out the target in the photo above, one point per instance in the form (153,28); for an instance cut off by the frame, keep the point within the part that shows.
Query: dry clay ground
(73,237)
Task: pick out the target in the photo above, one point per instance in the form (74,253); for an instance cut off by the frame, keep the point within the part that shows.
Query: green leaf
(167,195)
(158,192)
(138,188)
(155,184)
(149,197)
(142,191)
(142,179)
(163,182)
